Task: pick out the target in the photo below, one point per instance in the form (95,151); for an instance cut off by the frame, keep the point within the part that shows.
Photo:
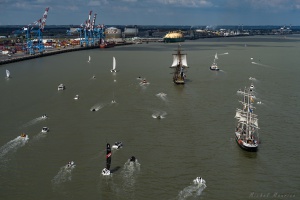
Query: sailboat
(8,74)
(89,60)
(246,133)
(179,64)
(214,66)
(114,65)
(105,171)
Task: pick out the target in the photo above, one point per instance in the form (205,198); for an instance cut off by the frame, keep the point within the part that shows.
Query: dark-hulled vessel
(246,132)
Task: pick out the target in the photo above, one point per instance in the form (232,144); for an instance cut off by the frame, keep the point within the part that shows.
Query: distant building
(131,32)
(112,33)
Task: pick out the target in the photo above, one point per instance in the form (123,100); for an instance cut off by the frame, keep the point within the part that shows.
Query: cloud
(186,3)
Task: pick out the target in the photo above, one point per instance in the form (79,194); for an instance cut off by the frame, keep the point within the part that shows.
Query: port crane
(90,35)
(34,37)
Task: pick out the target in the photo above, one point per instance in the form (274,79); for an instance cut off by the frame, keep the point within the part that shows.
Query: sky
(153,12)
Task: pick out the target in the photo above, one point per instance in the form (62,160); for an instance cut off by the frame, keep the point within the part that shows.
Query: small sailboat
(8,74)
(179,64)
(105,171)
(214,66)
(114,65)
(89,60)
(246,133)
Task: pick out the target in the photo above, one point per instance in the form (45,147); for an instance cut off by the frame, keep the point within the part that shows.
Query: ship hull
(244,147)
(173,40)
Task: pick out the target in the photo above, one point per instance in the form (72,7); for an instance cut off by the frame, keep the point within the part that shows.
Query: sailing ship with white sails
(214,66)
(246,133)
(179,64)
(106,171)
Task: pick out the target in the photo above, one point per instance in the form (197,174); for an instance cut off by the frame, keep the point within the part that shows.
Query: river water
(195,137)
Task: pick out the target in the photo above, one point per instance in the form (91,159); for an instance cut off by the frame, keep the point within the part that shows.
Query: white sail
(216,56)
(175,61)
(7,74)
(184,60)
(89,59)
(114,63)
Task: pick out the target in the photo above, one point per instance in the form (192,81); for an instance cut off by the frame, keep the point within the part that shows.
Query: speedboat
(259,102)
(70,164)
(199,180)
(44,116)
(61,87)
(251,87)
(45,129)
(24,136)
(132,159)
(105,172)
(93,109)
(117,145)
(144,82)
(76,97)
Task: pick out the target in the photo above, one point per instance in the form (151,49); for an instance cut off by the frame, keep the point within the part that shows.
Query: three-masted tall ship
(179,64)
(246,133)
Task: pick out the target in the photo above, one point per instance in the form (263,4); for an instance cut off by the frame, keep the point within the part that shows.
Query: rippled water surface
(195,136)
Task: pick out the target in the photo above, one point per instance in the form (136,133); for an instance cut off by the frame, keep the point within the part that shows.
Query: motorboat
(24,136)
(70,164)
(199,180)
(117,145)
(45,129)
(44,116)
(76,97)
(61,87)
(105,172)
(132,159)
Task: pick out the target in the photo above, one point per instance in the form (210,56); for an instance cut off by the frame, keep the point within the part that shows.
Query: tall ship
(179,64)
(246,132)
(174,36)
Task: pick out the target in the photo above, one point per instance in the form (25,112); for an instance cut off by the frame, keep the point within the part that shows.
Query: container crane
(36,42)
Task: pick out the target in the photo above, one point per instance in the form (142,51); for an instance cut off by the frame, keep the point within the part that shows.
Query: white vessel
(61,87)
(45,129)
(214,66)
(8,74)
(114,65)
(179,64)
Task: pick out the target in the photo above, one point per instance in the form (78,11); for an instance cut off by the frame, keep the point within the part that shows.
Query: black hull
(250,149)
(214,69)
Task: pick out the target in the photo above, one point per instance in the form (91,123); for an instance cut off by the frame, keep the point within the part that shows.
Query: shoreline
(18,57)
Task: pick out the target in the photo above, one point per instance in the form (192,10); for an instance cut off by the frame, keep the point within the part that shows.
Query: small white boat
(214,66)
(61,87)
(45,129)
(259,102)
(144,82)
(105,172)
(117,145)
(76,97)
(198,181)
(114,65)
(251,87)
(70,164)
(44,116)
(89,60)
(8,74)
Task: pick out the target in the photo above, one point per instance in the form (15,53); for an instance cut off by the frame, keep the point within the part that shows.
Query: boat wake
(64,174)
(259,64)
(159,114)
(193,190)
(129,173)
(39,136)
(162,96)
(34,121)
(223,54)
(97,107)
(13,145)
